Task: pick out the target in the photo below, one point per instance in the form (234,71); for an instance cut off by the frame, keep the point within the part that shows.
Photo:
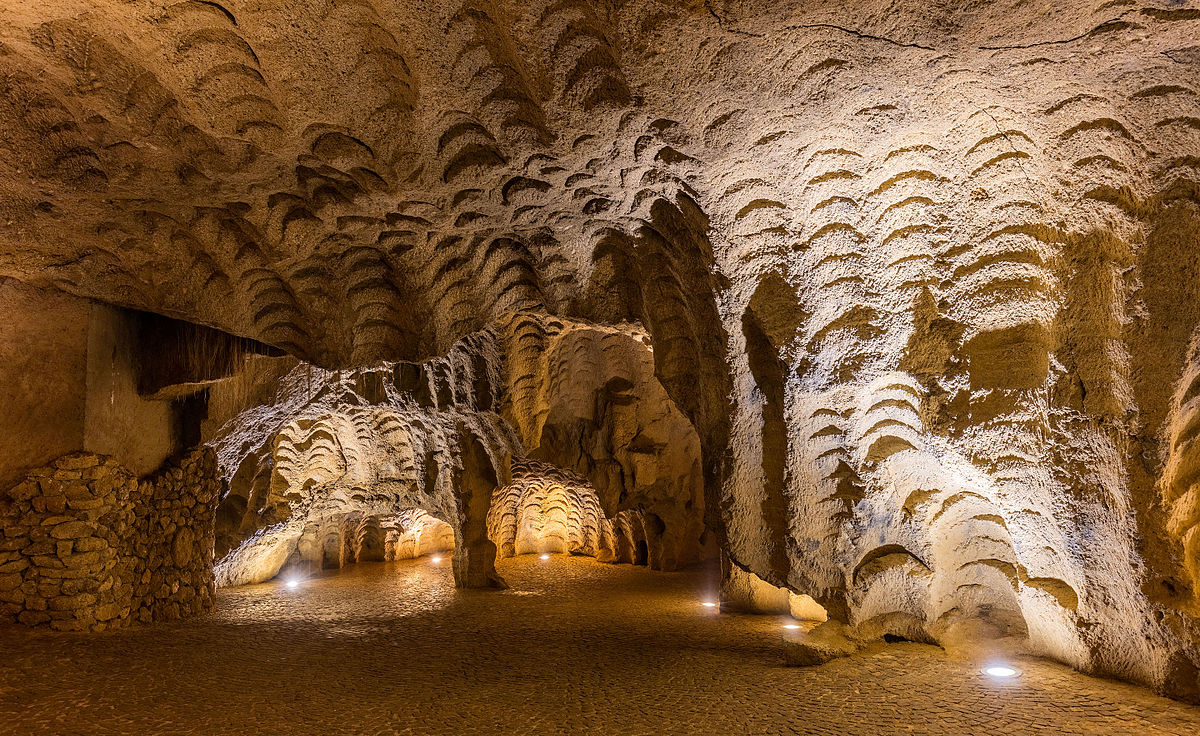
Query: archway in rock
(333,459)
(321,466)
(546,510)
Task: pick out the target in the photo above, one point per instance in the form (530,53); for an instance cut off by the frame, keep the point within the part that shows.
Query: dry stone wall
(86,546)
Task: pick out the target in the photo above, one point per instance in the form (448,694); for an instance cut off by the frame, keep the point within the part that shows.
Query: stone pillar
(475,554)
(745,592)
(170,546)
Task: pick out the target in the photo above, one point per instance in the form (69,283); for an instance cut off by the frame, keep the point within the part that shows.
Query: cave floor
(575,647)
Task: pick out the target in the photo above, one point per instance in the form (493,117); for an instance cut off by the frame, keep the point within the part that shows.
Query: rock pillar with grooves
(474,553)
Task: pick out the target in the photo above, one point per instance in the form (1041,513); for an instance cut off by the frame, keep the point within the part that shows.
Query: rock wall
(546,509)
(43,363)
(328,455)
(69,370)
(86,546)
(586,399)
(320,460)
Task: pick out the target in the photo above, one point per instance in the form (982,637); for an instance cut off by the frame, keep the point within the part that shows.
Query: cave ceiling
(355,180)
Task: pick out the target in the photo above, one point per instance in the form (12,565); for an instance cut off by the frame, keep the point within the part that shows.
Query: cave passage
(625,367)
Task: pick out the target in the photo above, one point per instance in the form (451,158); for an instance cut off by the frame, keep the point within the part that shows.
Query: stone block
(45,547)
(822,644)
(83,559)
(81,585)
(48,589)
(88,504)
(49,487)
(183,548)
(50,562)
(24,491)
(72,530)
(90,544)
(72,602)
(77,462)
(107,611)
(52,504)
(33,618)
(16,565)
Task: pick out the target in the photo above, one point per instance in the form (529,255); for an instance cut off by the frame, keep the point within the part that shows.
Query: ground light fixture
(1001,671)
(791,626)
(292,584)
(708,604)
(436,559)
(545,557)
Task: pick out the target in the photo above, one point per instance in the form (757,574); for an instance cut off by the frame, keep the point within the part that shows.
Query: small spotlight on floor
(292,584)
(545,557)
(1000,670)
(791,626)
(709,604)
(436,559)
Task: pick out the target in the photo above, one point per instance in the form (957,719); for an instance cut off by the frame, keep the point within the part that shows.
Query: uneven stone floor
(575,648)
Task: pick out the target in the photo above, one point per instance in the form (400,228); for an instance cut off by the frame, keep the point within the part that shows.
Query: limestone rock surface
(915,282)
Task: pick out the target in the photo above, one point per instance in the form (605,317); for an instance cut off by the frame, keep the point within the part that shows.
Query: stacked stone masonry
(86,546)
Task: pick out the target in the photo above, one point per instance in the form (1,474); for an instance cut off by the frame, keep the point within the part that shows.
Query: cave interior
(878,322)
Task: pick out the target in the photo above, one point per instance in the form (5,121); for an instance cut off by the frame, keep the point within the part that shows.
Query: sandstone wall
(86,546)
(42,365)
(68,382)
(118,421)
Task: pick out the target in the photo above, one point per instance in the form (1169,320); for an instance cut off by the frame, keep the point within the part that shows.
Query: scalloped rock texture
(920,275)
(546,510)
(326,468)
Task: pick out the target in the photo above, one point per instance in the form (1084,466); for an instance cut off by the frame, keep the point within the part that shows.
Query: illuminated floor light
(545,557)
(1000,671)
(437,559)
(709,604)
(292,584)
(791,626)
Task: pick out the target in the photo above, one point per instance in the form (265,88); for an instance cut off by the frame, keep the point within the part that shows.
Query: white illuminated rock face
(916,284)
(327,468)
(391,462)
(546,510)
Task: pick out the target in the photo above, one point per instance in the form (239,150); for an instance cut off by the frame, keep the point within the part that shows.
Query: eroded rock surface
(920,278)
